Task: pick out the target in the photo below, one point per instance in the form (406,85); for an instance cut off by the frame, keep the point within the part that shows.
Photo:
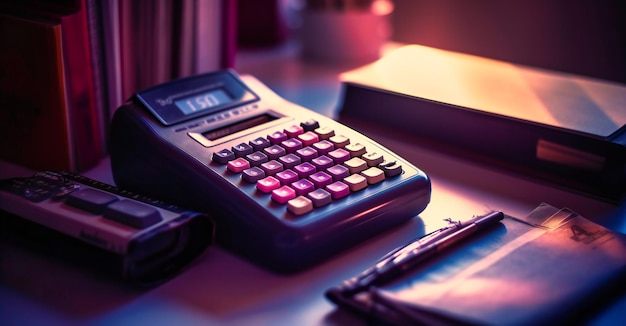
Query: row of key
(306,166)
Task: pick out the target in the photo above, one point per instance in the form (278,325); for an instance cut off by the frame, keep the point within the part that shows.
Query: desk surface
(220,288)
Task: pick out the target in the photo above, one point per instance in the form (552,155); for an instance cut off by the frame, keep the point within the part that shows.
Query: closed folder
(553,266)
(566,129)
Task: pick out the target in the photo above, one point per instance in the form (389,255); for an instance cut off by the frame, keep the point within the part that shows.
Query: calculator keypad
(307,166)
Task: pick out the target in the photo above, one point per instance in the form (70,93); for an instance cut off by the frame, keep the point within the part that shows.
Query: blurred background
(586,37)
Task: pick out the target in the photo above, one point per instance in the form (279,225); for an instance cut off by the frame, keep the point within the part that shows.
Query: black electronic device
(286,186)
(137,238)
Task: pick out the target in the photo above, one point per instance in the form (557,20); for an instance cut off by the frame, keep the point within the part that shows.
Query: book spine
(94,26)
(229,34)
(128,35)
(33,105)
(574,161)
(86,135)
(208,32)
(109,12)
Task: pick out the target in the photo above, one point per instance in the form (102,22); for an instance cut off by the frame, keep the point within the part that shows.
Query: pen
(398,261)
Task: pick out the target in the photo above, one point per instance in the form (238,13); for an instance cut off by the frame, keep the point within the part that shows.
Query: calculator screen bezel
(160,100)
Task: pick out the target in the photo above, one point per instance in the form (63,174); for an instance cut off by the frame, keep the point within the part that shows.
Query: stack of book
(567,130)
(67,65)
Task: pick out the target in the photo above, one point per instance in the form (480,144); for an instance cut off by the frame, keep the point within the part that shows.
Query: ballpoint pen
(400,260)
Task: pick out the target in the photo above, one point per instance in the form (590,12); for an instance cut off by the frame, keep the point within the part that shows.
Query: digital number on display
(204,101)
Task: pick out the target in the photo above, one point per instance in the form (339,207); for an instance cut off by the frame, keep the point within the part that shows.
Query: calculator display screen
(197,96)
(204,101)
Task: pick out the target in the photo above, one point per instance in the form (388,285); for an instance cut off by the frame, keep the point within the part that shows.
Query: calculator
(287,187)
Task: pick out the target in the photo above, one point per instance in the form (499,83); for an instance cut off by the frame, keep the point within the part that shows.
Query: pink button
(339,155)
(323,162)
(291,145)
(294,131)
(290,160)
(276,137)
(338,172)
(237,165)
(267,184)
(287,176)
(309,138)
(320,179)
(272,167)
(323,147)
(320,197)
(283,194)
(307,153)
(338,189)
(273,152)
(305,169)
(303,187)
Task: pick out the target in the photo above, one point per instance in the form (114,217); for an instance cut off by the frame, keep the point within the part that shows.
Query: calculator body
(174,142)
